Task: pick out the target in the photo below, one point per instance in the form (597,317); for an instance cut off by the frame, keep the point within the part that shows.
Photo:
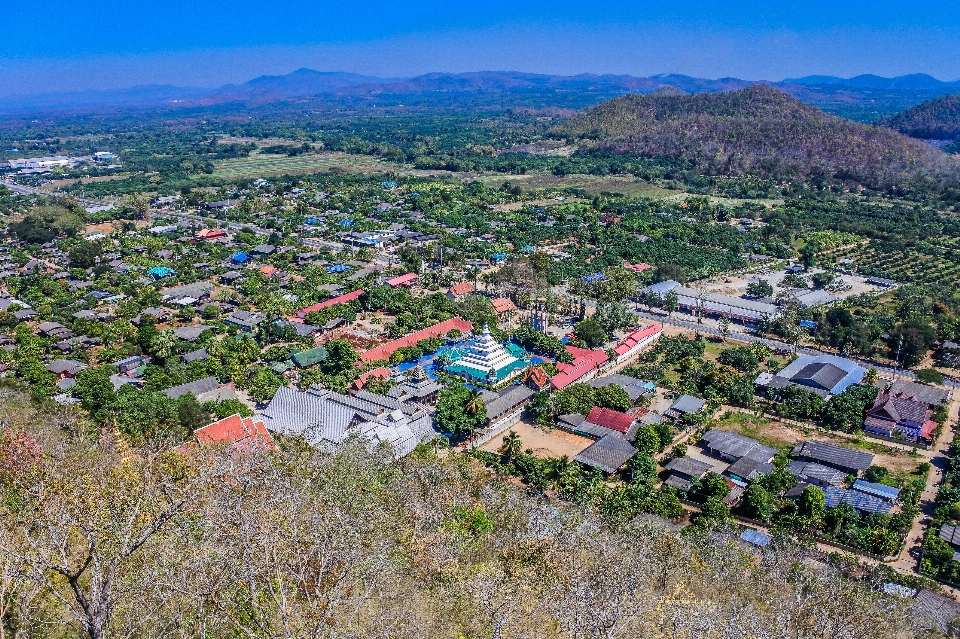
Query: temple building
(486,361)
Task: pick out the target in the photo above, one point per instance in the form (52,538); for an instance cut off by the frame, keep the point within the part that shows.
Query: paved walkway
(910,557)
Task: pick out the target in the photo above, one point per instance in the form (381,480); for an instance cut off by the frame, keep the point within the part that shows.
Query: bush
(930,376)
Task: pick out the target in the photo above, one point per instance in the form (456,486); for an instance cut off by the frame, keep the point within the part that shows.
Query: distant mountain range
(759,131)
(865,97)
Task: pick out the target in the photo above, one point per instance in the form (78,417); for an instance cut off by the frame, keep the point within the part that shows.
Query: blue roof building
(158,272)
(499,257)
(239,257)
(593,277)
(346,222)
(337,268)
(388,185)
(824,373)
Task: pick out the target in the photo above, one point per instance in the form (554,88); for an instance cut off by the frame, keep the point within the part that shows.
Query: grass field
(266,165)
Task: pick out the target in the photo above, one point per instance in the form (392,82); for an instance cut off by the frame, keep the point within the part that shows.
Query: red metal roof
(343,299)
(614,420)
(635,338)
(503,305)
(403,280)
(461,289)
(380,373)
(242,434)
(384,351)
(584,361)
(637,268)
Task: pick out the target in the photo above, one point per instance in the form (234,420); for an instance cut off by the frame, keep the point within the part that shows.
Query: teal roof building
(487,361)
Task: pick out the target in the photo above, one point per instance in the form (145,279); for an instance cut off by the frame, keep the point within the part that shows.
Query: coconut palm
(511,445)
(474,403)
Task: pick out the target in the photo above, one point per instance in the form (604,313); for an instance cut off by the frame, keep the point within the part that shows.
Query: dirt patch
(555,443)
(105,227)
(87,180)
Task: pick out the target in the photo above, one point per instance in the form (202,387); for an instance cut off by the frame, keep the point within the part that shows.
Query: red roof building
(585,365)
(614,420)
(343,299)
(405,281)
(637,268)
(537,379)
(378,373)
(384,351)
(636,341)
(241,435)
(210,234)
(459,290)
(503,305)
(268,271)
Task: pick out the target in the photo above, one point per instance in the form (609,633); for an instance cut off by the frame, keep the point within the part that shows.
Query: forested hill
(937,119)
(760,131)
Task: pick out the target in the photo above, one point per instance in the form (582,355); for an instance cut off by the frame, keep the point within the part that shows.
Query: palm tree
(474,403)
(164,343)
(511,445)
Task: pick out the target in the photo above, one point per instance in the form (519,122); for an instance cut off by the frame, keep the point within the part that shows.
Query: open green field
(267,165)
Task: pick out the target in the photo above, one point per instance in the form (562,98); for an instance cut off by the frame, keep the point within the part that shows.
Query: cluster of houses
(740,459)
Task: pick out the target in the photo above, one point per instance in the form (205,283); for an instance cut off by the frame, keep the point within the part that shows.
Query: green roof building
(310,357)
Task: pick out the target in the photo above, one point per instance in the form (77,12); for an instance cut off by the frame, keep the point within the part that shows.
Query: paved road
(910,557)
(886,371)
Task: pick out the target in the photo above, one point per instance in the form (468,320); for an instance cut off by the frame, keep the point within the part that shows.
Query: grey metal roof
(634,387)
(507,400)
(193,356)
(921,392)
(755,537)
(607,453)
(678,482)
(811,470)
(749,468)
(190,333)
(831,455)
(198,387)
(687,404)
(688,466)
(950,534)
(736,445)
(881,491)
(819,375)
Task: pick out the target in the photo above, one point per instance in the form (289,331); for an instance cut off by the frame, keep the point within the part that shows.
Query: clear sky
(98,44)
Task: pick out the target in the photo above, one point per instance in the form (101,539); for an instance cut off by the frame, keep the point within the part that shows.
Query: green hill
(937,119)
(760,131)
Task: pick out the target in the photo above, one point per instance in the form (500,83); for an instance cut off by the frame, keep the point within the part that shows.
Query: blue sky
(56,45)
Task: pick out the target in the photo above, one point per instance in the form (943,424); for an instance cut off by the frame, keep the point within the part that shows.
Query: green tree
(591,332)
(716,509)
(758,502)
(642,468)
(613,397)
(812,503)
(760,288)
(341,358)
(192,414)
(511,446)
(846,411)
(614,316)
(576,399)
(95,391)
(647,440)
(451,415)
(711,485)
(84,254)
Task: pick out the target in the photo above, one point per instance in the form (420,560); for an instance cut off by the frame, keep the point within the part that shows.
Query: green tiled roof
(310,357)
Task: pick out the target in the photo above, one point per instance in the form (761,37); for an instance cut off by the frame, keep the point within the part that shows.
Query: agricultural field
(267,165)
(934,265)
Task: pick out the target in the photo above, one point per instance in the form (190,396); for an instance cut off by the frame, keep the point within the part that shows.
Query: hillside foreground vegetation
(102,539)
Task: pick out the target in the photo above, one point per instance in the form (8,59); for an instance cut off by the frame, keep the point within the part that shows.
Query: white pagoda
(487,361)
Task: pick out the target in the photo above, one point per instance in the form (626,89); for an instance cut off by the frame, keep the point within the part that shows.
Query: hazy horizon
(63,47)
